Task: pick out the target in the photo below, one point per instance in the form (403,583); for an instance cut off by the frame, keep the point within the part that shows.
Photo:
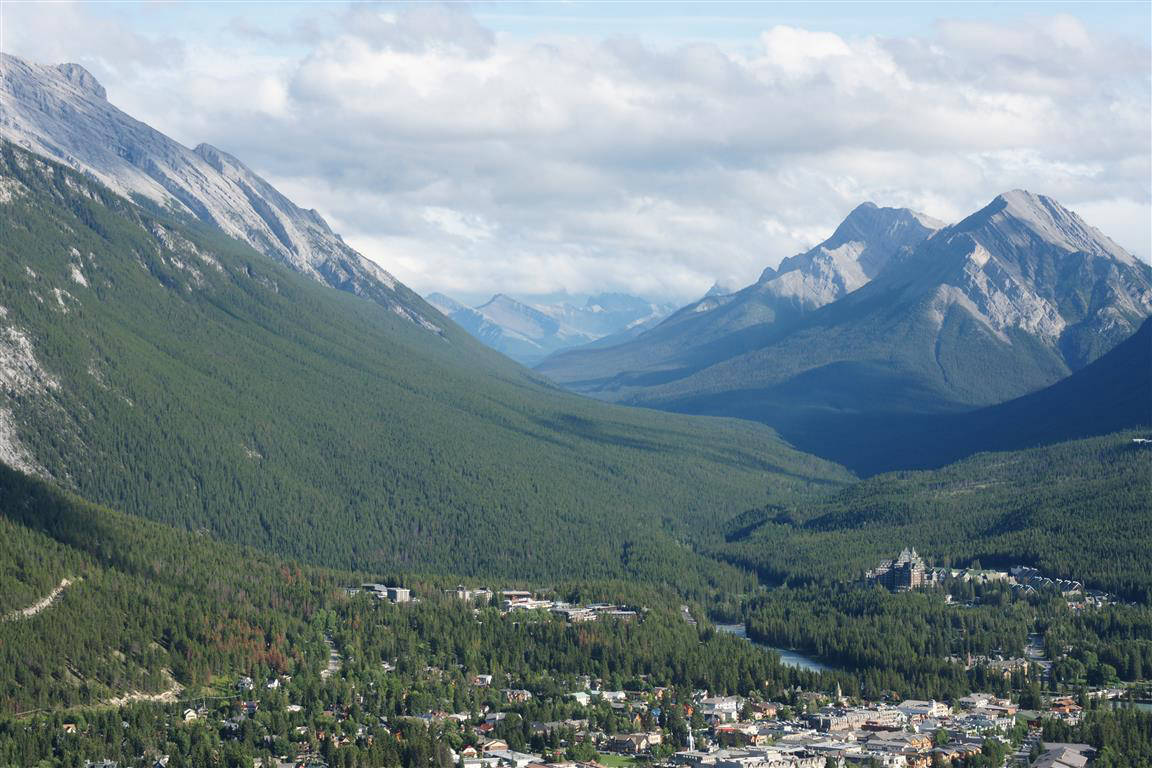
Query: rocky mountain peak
(1025,220)
(82,79)
(860,248)
(62,112)
(869,222)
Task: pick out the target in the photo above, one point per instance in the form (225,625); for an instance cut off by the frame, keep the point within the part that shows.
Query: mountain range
(891,318)
(171,346)
(216,419)
(160,363)
(529,332)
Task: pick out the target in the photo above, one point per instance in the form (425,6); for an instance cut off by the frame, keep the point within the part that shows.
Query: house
(919,710)
(1065,756)
(68,727)
(493,745)
(482,681)
(740,735)
(582,698)
(635,743)
(516,695)
(765,710)
(244,684)
(190,715)
(721,709)
(975,700)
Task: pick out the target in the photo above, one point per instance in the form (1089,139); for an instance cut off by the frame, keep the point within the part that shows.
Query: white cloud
(464,161)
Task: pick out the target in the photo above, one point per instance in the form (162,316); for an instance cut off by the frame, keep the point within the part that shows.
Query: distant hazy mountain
(706,331)
(1007,301)
(62,112)
(530,332)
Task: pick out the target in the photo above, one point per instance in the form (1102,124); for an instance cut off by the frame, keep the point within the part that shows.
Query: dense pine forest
(178,375)
(147,605)
(1076,510)
(1122,736)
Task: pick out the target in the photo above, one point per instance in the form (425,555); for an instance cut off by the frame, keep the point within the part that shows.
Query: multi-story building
(905,572)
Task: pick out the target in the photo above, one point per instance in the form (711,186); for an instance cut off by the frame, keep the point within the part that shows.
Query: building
(399,594)
(920,710)
(385,592)
(1065,756)
(635,743)
(464,593)
(721,709)
(907,571)
(512,758)
(857,718)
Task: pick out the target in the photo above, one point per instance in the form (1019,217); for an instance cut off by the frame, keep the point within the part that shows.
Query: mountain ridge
(715,326)
(1007,301)
(62,112)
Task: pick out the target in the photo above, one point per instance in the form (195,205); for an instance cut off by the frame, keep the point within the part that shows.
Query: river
(787,658)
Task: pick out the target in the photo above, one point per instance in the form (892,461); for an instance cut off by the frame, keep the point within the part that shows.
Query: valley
(262,505)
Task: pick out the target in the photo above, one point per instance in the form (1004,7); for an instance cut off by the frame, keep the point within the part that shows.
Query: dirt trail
(42,604)
(168,696)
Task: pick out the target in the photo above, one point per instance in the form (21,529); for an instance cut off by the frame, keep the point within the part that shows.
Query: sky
(653,148)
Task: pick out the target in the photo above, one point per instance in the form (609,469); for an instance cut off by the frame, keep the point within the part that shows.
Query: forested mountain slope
(1110,394)
(1076,510)
(171,372)
(146,605)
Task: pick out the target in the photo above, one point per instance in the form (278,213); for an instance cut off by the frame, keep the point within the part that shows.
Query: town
(580,721)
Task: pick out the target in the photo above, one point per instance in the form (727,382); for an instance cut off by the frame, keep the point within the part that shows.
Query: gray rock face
(889,314)
(859,250)
(62,112)
(1024,263)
